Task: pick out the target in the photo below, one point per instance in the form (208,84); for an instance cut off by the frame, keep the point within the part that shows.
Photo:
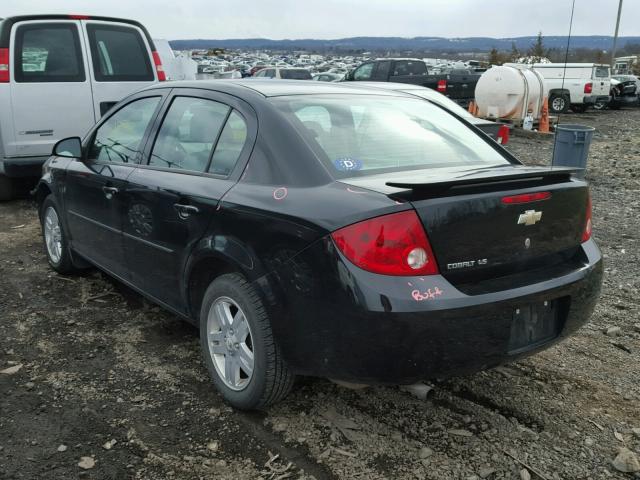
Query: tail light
(162,77)
(526,198)
(75,16)
(4,65)
(394,244)
(503,135)
(588,87)
(586,233)
(442,86)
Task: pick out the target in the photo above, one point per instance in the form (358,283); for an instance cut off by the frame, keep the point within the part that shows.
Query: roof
(275,88)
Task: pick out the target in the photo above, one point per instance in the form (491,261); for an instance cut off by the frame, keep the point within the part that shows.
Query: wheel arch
(42,191)
(214,257)
(560,92)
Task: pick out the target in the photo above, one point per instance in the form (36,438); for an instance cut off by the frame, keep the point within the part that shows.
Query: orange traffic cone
(472,107)
(544,117)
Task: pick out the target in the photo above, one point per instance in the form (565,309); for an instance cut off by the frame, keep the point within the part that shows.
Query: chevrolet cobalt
(321,229)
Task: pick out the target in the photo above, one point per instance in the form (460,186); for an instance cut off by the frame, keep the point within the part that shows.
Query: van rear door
(121,61)
(50,86)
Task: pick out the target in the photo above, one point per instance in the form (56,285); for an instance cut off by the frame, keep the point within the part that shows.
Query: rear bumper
(22,167)
(341,322)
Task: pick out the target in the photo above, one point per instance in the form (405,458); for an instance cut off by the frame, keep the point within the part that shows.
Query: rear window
(602,72)
(366,135)
(119,54)
(295,74)
(48,52)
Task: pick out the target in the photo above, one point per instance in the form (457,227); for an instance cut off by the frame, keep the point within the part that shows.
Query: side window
(119,139)
(230,145)
(363,72)
(602,72)
(118,54)
(381,72)
(271,73)
(48,52)
(188,133)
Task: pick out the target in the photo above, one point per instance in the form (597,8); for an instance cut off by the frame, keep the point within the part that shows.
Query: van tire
(271,379)
(6,188)
(558,103)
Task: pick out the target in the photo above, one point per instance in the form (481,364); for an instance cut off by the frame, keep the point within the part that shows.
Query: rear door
(94,187)
(121,61)
(601,80)
(50,86)
(202,141)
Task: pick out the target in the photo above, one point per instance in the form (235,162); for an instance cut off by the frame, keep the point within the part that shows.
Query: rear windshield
(367,135)
(296,74)
(119,54)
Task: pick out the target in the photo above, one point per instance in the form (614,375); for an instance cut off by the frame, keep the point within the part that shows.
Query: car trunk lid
(480,223)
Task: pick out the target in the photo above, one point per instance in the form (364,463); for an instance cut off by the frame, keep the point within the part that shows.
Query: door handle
(185,210)
(109,192)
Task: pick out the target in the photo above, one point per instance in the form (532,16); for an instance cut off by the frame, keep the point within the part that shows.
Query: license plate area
(533,325)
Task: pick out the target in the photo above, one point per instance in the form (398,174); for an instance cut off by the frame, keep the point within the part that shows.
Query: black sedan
(322,229)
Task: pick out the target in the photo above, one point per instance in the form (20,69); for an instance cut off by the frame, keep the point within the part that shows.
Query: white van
(58,75)
(585,84)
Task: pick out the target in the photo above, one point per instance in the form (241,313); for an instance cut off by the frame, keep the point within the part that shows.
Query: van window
(602,72)
(118,54)
(409,67)
(118,140)
(230,145)
(48,52)
(188,134)
(363,72)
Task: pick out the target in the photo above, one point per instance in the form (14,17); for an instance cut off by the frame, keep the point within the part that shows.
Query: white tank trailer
(508,93)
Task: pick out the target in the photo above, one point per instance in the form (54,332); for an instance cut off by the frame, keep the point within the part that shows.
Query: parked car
(328,77)
(459,87)
(625,78)
(75,64)
(622,94)
(282,73)
(575,85)
(320,229)
(487,126)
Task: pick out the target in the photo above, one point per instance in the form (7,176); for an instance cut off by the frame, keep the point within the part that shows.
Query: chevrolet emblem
(529,217)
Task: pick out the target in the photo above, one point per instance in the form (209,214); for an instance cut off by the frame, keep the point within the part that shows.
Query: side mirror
(68,147)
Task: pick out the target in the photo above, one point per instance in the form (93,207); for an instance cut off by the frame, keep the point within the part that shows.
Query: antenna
(564,73)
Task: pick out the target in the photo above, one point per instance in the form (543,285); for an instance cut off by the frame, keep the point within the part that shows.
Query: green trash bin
(571,147)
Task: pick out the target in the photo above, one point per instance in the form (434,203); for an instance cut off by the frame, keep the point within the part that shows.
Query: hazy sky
(277,19)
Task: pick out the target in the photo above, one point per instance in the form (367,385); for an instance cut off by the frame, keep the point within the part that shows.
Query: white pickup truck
(575,85)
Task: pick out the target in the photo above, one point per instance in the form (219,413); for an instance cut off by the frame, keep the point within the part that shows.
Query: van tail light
(162,77)
(4,65)
(442,86)
(588,87)
(394,244)
(503,135)
(588,225)
(75,16)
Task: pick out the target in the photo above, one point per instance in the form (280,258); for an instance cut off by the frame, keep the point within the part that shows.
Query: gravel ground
(95,371)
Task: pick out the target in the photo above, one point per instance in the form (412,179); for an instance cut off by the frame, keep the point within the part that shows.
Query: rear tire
(6,188)
(238,347)
(56,245)
(558,103)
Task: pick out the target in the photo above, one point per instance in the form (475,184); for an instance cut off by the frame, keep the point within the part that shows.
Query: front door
(95,185)
(173,200)
(50,87)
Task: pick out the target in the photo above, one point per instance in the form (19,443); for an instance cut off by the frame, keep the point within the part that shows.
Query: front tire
(56,245)
(238,347)
(558,103)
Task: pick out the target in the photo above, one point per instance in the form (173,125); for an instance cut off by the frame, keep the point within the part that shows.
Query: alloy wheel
(53,234)
(230,343)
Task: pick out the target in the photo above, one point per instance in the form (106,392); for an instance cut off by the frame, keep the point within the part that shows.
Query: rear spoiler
(483,181)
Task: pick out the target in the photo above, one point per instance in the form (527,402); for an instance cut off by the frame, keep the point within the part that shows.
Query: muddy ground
(101,373)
